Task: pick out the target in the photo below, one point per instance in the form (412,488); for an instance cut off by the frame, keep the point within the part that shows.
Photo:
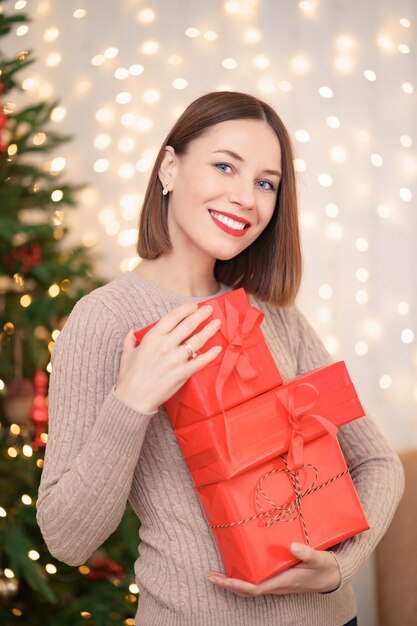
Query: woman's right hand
(152,372)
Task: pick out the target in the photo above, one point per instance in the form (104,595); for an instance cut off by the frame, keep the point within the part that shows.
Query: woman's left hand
(318,572)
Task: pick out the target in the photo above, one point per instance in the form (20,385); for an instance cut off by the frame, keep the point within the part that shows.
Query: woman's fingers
(199,340)
(183,331)
(194,365)
(170,320)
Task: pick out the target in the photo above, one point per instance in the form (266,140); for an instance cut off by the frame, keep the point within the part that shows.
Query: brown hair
(270,268)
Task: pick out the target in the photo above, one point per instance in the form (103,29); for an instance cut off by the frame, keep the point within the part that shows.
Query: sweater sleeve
(375,468)
(94,439)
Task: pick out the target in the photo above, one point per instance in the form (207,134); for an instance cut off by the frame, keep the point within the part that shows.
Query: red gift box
(279,420)
(256,516)
(245,368)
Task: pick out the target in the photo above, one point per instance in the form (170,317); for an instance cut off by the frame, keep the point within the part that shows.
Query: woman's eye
(265,184)
(222,166)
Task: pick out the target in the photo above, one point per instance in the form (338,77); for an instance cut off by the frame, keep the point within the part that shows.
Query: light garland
(357,171)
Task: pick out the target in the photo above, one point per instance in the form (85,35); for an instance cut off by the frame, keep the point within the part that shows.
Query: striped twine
(292,510)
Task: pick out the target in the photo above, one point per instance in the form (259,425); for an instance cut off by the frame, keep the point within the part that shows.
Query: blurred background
(342,76)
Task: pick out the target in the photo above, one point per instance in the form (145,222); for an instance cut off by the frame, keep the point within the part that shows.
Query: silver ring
(192,354)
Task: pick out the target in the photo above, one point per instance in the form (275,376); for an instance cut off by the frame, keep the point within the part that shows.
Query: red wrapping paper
(258,549)
(227,445)
(245,368)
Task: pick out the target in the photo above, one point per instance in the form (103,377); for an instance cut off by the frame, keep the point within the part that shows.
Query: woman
(220,212)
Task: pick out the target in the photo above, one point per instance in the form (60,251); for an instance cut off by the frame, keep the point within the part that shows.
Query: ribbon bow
(234,357)
(290,511)
(296,414)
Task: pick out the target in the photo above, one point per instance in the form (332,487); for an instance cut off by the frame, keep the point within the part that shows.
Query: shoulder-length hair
(270,268)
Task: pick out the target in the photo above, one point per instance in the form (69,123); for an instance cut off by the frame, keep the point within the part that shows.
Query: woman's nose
(243,193)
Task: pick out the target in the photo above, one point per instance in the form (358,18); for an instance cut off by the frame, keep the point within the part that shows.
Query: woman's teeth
(228,221)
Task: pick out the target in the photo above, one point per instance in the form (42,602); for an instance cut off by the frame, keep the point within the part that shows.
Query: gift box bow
(296,414)
(237,334)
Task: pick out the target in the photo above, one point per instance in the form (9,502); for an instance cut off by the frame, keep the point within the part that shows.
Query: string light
(370,75)
(111,53)
(121,73)
(332,210)
(150,47)
(53,59)
(27,450)
(58,114)
(405,194)
(325,180)
(403,48)
(210,35)
(333,121)
(300,165)
(251,35)
(79,14)
(326,92)
(302,135)
(50,568)
(261,61)
(361,348)
(407,335)
(300,64)
(180,83)
(362,244)
(192,32)
(51,34)
(125,126)
(229,64)
(383,211)
(325,292)
(124,97)
(22,30)
(362,274)
(385,382)
(136,69)
(403,308)
(146,16)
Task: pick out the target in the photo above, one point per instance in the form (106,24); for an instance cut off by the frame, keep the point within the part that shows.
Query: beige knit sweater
(101,453)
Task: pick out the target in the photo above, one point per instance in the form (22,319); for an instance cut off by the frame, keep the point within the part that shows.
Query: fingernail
(216,575)
(216,323)
(297,549)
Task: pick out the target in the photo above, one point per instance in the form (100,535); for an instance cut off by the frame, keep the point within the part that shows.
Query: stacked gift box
(263,454)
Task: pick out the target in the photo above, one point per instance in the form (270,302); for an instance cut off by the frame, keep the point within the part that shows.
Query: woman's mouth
(229,225)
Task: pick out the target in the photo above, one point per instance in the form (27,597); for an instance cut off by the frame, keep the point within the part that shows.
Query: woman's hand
(318,572)
(161,364)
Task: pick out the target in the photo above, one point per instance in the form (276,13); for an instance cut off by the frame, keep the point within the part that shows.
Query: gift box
(268,425)
(256,516)
(244,368)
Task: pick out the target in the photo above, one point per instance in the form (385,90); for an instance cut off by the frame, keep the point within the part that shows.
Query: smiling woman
(220,212)
(258,187)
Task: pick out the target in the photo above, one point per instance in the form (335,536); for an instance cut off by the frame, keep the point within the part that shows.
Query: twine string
(290,511)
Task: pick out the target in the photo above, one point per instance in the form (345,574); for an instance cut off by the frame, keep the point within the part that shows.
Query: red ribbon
(296,414)
(236,334)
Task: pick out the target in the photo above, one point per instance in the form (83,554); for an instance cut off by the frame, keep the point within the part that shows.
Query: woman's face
(223,190)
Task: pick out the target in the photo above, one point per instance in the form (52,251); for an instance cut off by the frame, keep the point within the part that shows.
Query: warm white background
(359,228)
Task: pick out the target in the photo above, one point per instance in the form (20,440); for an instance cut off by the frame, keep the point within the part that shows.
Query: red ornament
(39,414)
(103,569)
(23,258)
(3,119)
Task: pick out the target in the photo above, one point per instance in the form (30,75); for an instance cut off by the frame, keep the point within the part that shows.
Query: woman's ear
(167,168)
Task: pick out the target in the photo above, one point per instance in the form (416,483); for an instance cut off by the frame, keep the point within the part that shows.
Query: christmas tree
(40,281)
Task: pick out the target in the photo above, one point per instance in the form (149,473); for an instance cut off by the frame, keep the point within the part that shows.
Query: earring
(165,190)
